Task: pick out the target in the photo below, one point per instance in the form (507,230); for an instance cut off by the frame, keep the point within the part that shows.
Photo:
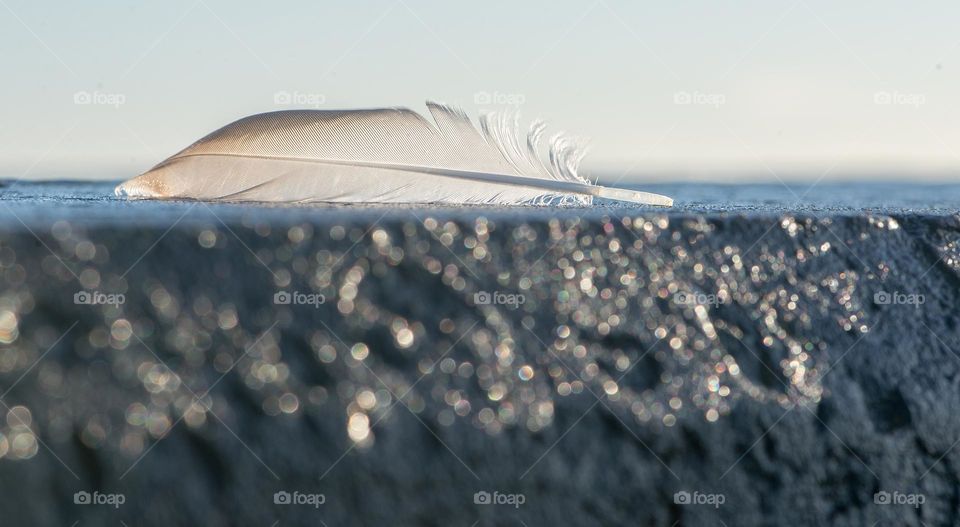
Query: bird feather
(391,155)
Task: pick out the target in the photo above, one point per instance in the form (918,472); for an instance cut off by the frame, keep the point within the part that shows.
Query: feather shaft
(619,194)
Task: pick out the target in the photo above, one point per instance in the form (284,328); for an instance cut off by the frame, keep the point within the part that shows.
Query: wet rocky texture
(777,378)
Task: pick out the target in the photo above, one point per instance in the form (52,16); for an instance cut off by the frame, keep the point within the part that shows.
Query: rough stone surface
(873,410)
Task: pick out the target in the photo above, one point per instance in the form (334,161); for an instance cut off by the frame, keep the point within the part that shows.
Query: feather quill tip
(140,187)
(634,196)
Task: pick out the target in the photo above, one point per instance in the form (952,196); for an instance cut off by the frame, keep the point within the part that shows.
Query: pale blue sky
(106,89)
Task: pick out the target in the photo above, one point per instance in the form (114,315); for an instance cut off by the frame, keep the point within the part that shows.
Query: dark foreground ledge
(625,368)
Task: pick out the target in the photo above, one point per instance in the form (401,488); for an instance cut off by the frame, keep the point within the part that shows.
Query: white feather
(376,156)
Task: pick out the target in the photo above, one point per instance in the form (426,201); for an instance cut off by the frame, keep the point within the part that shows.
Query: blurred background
(698,90)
